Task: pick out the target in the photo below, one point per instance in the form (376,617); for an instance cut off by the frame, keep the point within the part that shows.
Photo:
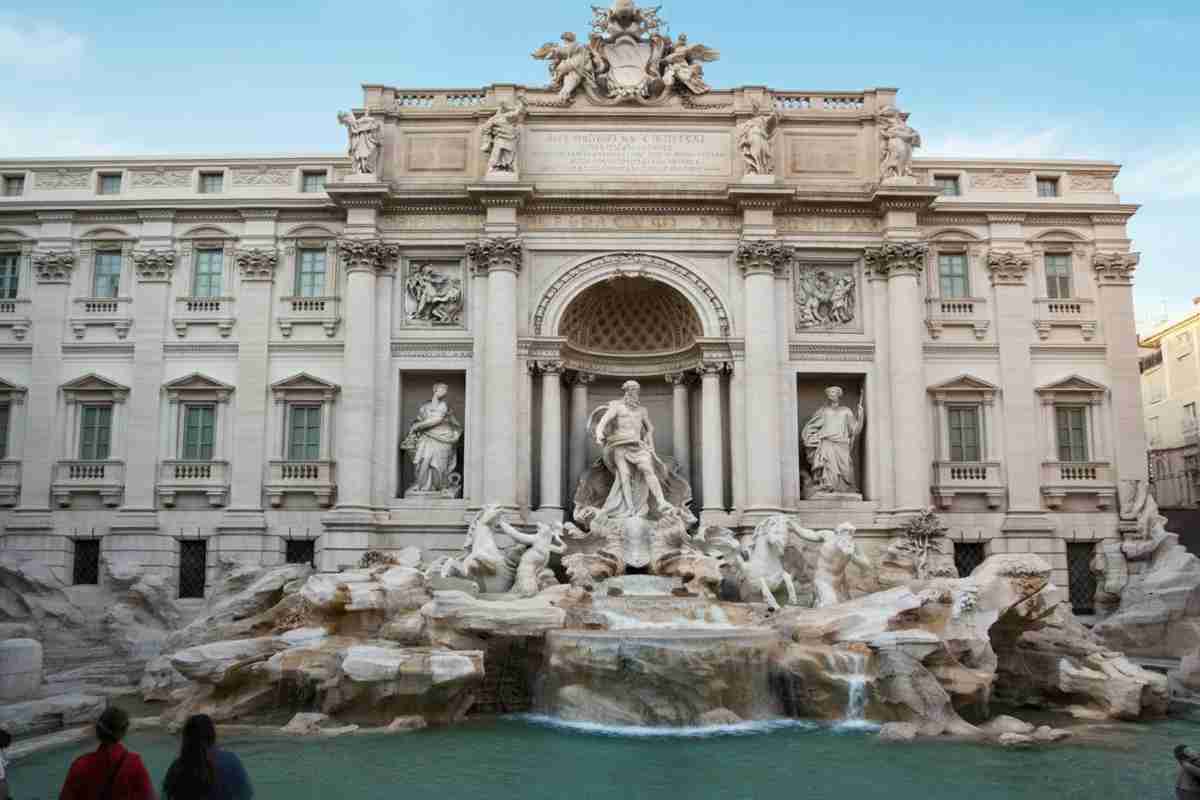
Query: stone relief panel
(999,180)
(826,297)
(622,153)
(436,152)
(434,294)
(160,178)
(631,222)
(823,155)
(262,176)
(1091,182)
(55,179)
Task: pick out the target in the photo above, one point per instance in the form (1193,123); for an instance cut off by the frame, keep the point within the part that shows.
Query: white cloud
(1173,175)
(25,134)
(39,48)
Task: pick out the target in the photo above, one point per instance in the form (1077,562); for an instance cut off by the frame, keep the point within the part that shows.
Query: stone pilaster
(501,258)
(580,411)
(712,468)
(552,444)
(879,399)
(1114,279)
(681,422)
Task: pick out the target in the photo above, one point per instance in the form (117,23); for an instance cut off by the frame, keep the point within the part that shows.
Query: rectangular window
(1047,187)
(964,433)
(198,432)
(1058,276)
(14,185)
(968,556)
(210,269)
(86,571)
(1071,422)
(95,432)
(947,185)
(106,277)
(9,272)
(193,567)
(300,551)
(109,183)
(312,182)
(310,273)
(4,414)
(952,274)
(212,182)
(304,440)
(1081,581)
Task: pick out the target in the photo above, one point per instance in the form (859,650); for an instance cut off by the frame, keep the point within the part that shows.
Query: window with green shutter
(1072,433)
(310,273)
(4,413)
(964,433)
(210,267)
(1058,276)
(95,432)
(952,273)
(9,272)
(304,439)
(198,433)
(106,277)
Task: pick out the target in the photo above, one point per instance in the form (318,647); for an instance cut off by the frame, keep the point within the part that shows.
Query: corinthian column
(760,260)
(681,422)
(501,258)
(551,483)
(579,433)
(902,264)
(711,465)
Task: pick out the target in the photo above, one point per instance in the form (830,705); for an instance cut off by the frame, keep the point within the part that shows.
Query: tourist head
(834,393)
(112,725)
(199,732)
(631,389)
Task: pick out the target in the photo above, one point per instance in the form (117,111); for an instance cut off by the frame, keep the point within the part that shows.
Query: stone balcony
(15,314)
(962,312)
(301,477)
(105,478)
(209,478)
(10,481)
(1050,313)
(952,478)
(218,311)
(100,311)
(323,311)
(1062,478)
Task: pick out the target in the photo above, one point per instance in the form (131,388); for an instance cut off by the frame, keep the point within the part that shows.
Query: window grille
(193,567)
(1081,583)
(86,571)
(1047,187)
(211,182)
(968,556)
(301,551)
(947,185)
(313,182)
(109,184)
(14,185)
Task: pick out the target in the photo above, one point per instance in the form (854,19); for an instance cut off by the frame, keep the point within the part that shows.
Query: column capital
(1008,267)
(678,378)
(763,256)
(257,263)
(54,266)
(154,266)
(545,368)
(368,255)
(713,368)
(897,258)
(496,254)
(1115,268)
(580,378)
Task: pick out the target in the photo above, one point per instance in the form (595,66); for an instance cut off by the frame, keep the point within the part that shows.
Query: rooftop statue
(571,64)
(363,146)
(899,142)
(754,140)
(501,134)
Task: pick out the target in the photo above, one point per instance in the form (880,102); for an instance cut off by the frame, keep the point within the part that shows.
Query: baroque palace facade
(222,358)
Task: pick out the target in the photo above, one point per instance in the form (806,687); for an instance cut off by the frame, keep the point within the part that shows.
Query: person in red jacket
(111,772)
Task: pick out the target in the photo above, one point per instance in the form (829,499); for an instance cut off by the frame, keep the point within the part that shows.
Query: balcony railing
(15,314)
(217,311)
(323,311)
(964,312)
(951,478)
(794,101)
(106,478)
(210,478)
(301,477)
(97,311)
(1068,312)
(10,482)
(1061,478)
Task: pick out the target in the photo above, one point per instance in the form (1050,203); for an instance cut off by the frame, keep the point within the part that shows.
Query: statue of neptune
(627,436)
(829,437)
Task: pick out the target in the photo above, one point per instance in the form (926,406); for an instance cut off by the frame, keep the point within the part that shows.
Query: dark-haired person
(1187,785)
(111,772)
(5,741)
(204,771)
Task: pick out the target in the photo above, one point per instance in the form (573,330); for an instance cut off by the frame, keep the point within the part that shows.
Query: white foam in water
(646,731)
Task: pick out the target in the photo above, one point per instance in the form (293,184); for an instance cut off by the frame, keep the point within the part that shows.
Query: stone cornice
(374,255)
(496,254)
(1115,268)
(157,215)
(250,214)
(154,266)
(501,195)
(53,266)
(1008,267)
(763,256)
(257,263)
(761,197)
(897,258)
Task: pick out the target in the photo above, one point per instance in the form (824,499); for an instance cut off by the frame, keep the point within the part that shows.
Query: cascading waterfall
(852,666)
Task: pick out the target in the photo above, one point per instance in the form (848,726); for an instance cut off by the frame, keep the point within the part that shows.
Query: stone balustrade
(210,478)
(1071,312)
(1062,478)
(105,478)
(952,478)
(965,312)
(301,477)
(323,311)
(100,311)
(217,311)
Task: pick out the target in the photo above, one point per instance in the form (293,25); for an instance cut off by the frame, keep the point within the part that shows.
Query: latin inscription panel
(624,153)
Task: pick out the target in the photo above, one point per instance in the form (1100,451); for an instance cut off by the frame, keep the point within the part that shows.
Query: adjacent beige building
(1170,367)
(221,357)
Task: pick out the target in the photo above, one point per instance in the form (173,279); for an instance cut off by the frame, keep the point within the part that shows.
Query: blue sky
(1070,79)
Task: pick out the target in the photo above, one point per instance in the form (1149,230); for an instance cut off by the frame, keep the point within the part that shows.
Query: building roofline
(228,159)
(1152,339)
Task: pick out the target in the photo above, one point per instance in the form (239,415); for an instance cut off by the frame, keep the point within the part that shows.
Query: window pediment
(93,387)
(1073,388)
(303,386)
(11,392)
(198,387)
(965,388)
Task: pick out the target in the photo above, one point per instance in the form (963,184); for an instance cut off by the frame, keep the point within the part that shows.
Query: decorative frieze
(154,265)
(54,266)
(406,348)
(376,255)
(262,176)
(496,254)
(433,294)
(763,255)
(805,351)
(897,258)
(1115,267)
(1091,181)
(160,178)
(50,180)
(999,180)
(257,263)
(1008,267)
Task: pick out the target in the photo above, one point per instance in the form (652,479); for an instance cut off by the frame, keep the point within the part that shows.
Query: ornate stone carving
(898,141)
(762,255)
(53,266)
(1091,182)
(838,549)
(160,178)
(1008,267)
(363,145)
(499,253)
(829,437)
(755,139)
(824,298)
(630,315)
(154,265)
(261,176)
(571,65)
(678,378)
(684,65)
(500,135)
(1115,267)
(56,179)
(999,180)
(897,258)
(257,263)
(432,443)
(434,296)
(367,254)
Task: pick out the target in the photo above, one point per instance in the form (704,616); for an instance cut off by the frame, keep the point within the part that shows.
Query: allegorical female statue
(829,437)
(899,142)
(754,141)
(363,147)
(432,443)
(501,134)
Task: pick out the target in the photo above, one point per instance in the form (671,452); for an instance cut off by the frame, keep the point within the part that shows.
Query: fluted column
(579,446)
(711,456)
(501,258)
(902,263)
(759,261)
(681,422)
(552,444)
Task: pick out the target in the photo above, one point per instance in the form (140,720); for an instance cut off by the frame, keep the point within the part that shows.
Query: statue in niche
(754,138)
(364,142)
(571,64)
(434,296)
(829,437)
(824,300)
(501,134)
(627,436)
(432,443)
(684,65)
(838,550)
(899,142)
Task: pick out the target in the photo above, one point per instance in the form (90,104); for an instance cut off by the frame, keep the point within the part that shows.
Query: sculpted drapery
(829,437)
